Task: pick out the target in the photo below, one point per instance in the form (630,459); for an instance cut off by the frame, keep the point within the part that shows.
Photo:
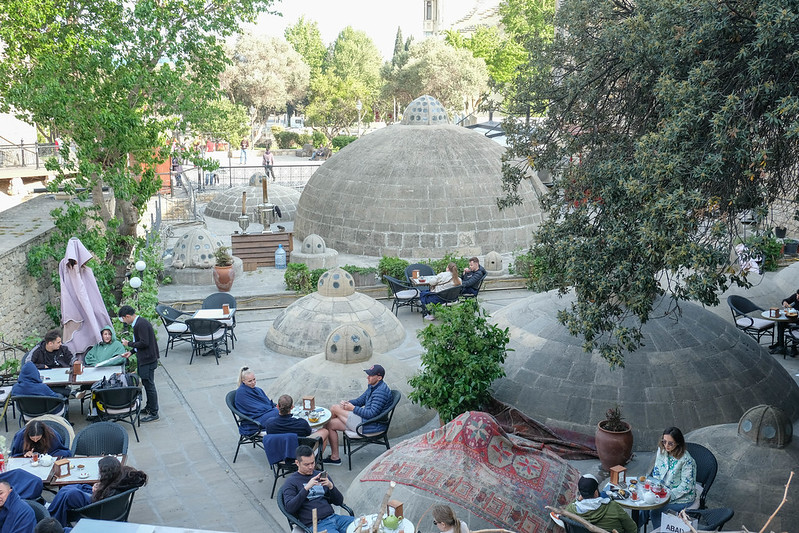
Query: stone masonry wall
(24,298)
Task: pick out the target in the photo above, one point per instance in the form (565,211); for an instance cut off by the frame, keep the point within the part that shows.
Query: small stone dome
(766,425)
(493,262)
(348,344)
(313,244)
(195,249)
(336,282)
(425,111)
(227,204)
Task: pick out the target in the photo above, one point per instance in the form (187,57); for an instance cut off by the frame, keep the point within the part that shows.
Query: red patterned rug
(473,463)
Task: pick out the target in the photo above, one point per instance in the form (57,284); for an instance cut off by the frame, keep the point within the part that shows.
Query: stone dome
(227,204)
(331,381)
(336,282)
(313,245)
(347,344)
(425,111)
(765,425)
(195,249)
(303,328)
(694,372)
(764,470)
(416,192)
(493,262)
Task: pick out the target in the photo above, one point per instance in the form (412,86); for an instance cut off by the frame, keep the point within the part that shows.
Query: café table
(636,506)
(323,412)
(64,376)
(90,473)
(782,320)
(406,525)
(421,281)
(215,314)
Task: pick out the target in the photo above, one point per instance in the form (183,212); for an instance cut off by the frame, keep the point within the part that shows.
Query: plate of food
(83,475)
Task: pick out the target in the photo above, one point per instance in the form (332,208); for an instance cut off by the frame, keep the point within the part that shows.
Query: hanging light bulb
(135,282)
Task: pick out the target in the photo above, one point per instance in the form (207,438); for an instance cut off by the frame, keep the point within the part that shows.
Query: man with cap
(600,511)
(346,415)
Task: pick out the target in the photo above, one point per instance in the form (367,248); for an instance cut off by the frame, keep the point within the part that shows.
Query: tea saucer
(34,463)
(83,475)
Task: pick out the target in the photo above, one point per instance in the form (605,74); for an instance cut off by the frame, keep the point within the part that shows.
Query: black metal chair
(246,436)
(119,404)
(711,519)
(572,526)
(216,301)
(293,521)
(467,295)
(362,439)
(206,334)
(706,468)
(755,327)
(39,510)
(115,508)
(404,295)
(283,466)
(32,406)
(176,329)
(424,271)
(101,438)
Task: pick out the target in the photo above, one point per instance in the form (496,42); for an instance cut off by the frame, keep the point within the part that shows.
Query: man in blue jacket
(15,514)
(472,277)
(348,414)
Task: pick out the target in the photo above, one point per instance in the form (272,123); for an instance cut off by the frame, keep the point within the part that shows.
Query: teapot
(392,522)
(45,459)
(650,497)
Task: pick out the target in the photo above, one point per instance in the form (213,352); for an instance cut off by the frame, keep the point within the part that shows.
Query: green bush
(530,265)
(297,278)
(440,265)
(287,139)
(768,247)
(303,139)
(341,141)
(392,266)
(463,355)
(318,139)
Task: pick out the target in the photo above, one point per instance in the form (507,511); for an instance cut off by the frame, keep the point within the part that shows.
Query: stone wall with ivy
(24,301)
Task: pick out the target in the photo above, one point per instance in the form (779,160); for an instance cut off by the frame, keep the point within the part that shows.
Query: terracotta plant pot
(613,447)
(223,277)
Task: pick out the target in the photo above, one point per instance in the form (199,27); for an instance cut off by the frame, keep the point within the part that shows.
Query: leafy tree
(462,358)
(351,72)
(452,75)
(306,39)
(226,120)
(115,77)
(665,121)
(266,73)
(502,54)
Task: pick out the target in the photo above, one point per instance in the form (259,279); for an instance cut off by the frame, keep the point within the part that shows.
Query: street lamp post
(359,106)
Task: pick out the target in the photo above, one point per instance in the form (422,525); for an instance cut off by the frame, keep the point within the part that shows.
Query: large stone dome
(416,191)
(695,372)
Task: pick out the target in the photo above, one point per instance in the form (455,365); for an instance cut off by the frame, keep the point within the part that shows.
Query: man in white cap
(602,512)
(346,415)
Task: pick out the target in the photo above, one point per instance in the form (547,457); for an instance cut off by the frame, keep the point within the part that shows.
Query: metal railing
(226,177)
(26,155)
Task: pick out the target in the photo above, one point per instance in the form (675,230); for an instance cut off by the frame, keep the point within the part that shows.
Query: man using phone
(308,489)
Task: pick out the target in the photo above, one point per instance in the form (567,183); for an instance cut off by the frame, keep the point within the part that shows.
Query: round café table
(636,506)
(782,320)
(406,525)
(323,412)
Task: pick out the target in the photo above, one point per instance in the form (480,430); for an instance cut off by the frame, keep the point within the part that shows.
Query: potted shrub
(223,269)
(614,439)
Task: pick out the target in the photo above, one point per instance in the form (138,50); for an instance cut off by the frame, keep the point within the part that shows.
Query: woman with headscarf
(29,383)
(107,348)
(114,479)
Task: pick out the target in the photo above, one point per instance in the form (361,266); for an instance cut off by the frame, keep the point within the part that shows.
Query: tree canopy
(306,39)
(665,121)
(116,77)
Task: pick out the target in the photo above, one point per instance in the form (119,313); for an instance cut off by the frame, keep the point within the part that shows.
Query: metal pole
(22,150)
(36,146)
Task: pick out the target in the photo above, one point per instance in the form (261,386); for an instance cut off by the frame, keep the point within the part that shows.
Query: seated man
(602,512)
(50,353)
(285,423)
(348,414)
(308,489)
(472,277)
(15,514)
(792,300)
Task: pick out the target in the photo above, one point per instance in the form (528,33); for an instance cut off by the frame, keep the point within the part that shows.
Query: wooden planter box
(258,249)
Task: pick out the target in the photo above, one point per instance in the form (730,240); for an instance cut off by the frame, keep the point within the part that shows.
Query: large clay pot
(613,447)
(223,277)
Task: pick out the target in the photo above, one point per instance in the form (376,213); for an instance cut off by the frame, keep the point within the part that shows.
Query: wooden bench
(258,249)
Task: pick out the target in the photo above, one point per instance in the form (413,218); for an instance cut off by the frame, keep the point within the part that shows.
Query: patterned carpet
(473,463)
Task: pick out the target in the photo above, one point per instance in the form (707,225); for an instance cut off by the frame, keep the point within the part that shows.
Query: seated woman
(438,283)
(105,349)
(253,401)
(676,470)
(30,383)
(114,479)
(38,437)
(444,517)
